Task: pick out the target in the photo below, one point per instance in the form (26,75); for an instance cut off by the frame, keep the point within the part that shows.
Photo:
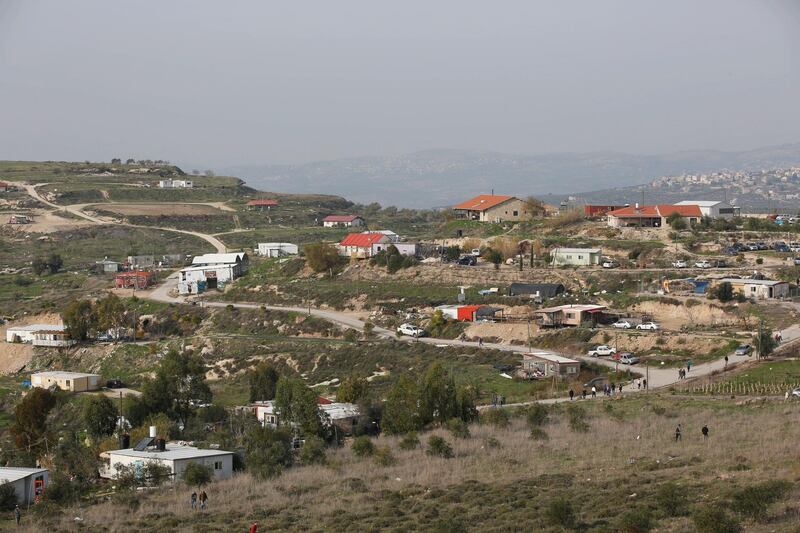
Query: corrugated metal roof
(576,250)
(745,281)
(218,259)
(340,218)
(13,473)
(39,327)
(59,374)
(547,356)
(173,452)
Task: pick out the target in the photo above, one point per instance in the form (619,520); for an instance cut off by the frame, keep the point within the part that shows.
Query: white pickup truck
(602,350)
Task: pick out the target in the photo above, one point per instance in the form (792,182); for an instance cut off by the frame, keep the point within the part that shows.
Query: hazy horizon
(252,83)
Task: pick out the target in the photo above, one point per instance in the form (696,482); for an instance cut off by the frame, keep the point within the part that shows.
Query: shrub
(197,474)
(458,428)
(577,418)
(538,433)
(409,441)
(438,447)
(8,497)
(496,417)
(714,519)
(491,442)
(671,499)
(363,446)
(753,501)
(383,456)
(560,513)
(313,451)
(638,520)
(759,260)
(538,415)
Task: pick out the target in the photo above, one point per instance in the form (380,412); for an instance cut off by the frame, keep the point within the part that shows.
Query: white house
(342,221)
(576,256)
(276,249)
(714,208)
(40,335)
(67,381)
(404,248)
(760,289)
(177,457)
(28,483)
(342,415)
(175,184)
(212,271)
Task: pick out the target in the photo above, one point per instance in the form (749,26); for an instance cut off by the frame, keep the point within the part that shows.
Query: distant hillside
(441,177)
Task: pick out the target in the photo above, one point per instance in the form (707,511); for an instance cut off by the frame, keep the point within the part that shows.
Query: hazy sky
(239,82)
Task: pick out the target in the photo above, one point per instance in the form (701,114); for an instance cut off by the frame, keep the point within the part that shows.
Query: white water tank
(153,431)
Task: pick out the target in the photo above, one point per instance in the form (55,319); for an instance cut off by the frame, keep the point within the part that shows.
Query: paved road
(77,210)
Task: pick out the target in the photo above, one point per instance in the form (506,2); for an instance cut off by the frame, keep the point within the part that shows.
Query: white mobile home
(576,256)
(67,381)
(175,456)
(276,249)
(28,483)
(27,334)
(714,208)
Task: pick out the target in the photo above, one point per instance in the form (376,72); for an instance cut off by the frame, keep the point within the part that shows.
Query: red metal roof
(322,400)
(660,210)
(482,202)
(263,201)
(362,240)
(340,218)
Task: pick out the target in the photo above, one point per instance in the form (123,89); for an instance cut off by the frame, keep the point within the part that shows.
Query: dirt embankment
(14,356)
(643,342)
(673,317)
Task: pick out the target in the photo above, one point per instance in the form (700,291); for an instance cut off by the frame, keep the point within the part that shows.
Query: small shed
(570,315)
(276,249)
(66,381)
(107,265)
(550,364)
(136,279)
(536,290)
(28,483)
(468,313)
(262,203)
(175,456)
(576,256)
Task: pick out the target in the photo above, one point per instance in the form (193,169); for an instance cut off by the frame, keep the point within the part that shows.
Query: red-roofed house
(342,221)
(362,245)
(262,203)
(492,208)
(4,186)
(652,216)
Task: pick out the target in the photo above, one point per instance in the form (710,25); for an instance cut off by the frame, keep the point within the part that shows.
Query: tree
(30,415)
(493,256)
(437,398)
(268,451)
(80,319)
(451,253)
(400,412)
(52,263)
(296,403)
(676,221)
(178,385)
(111,313)
(765,342)
(197,474)
(263,380)
(99,416)
(8,497)
(352,389)
(535,207)
(724,292)
(130,161)
(116,161)
(321,257)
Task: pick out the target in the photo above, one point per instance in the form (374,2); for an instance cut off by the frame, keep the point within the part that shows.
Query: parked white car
(622,324)
(610,263)
(650,326)
(702,264)
(680,263)
(411,330)
(476,252)
(602,350)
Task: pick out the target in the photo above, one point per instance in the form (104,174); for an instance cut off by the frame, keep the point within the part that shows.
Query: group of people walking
(203,498)
(679,432)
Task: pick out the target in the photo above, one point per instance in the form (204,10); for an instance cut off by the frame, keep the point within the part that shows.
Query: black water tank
(162,445)
(124,441)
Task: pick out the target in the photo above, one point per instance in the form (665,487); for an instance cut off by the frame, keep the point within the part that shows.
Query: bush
(538,433)
(363,446)
(538,415)
(409,441)
(577,419)
(637,520)
(714,519)
(491,442)
(560,513)
(313,451)
(753,501)
(671,499)
(458,428)
(8,497)
(496,417)
(197,474)
(383,456)
(438,447)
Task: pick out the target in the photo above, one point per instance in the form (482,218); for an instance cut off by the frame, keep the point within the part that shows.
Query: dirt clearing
(157,209)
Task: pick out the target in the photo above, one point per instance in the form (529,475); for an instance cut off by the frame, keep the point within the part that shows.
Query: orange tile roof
(340,218)
(362,240)
(660,210)
(482,202)
(262,201)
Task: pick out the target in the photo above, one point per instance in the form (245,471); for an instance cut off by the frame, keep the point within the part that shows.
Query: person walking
(726,362)
(638,384)
(678,433)
(194,499)
(480,342)
(571,394)
(644,384)
(611,388)
(583,393)
(254,527)
(203,500)
(688,365)
(620,388)
(594,392)
(17,514)
(705,432)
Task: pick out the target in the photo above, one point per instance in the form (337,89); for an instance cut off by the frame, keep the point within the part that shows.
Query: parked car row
(777,246)
(624,324)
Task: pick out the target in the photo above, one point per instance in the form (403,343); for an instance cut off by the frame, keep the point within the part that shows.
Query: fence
(742,388)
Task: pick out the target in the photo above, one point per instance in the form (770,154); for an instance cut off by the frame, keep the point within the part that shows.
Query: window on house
(570,315)
(516,213)
(580,257)
(217,465)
